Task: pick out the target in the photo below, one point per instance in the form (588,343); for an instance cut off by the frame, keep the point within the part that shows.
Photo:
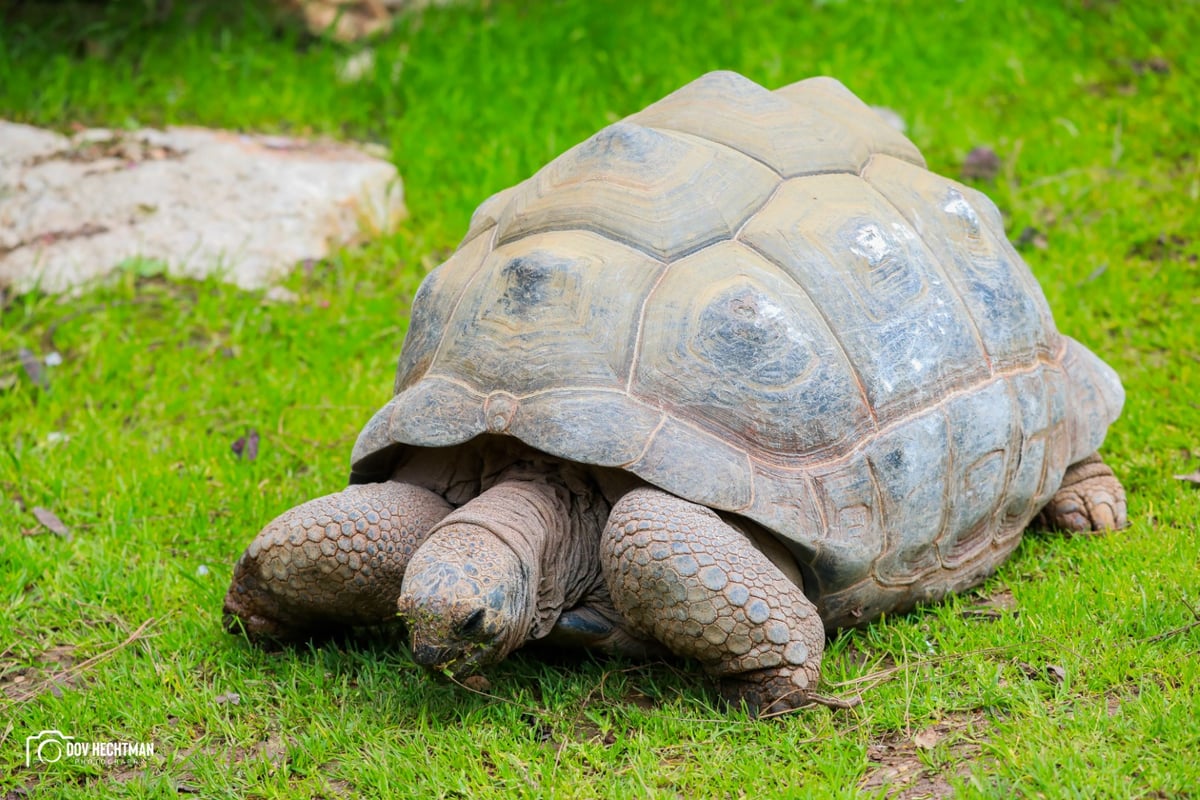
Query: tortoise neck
(521,552)
(551,516)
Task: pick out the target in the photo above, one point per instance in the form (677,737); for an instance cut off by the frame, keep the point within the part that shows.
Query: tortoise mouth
(457,661)
(455,637)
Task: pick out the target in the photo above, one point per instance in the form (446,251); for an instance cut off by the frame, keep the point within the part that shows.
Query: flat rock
(244,207)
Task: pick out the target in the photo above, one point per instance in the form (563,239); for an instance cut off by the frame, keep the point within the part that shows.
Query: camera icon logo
(46,746)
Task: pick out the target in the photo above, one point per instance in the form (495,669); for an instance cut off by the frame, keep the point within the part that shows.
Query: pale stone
(245,207)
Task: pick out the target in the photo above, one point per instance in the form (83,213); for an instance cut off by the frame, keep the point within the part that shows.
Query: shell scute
(597,427)
(909,464)
(982,442)
(675,450)
(1005,302)
(663,192)
(850,538)
(545,312)
(860,121)
(901,325)
(728,343)
(791,139)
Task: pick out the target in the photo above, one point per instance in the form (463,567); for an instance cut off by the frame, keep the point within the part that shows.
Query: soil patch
(921,764)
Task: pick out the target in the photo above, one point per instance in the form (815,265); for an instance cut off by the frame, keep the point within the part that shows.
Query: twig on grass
(489,695)
(876,678)
(75,670)
(814,699)
(1182,628)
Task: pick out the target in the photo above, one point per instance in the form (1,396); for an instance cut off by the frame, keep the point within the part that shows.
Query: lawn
(1073,672)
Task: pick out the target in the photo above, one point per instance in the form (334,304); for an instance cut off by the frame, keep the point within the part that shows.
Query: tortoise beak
(458,661)
(432,657)
(457,636)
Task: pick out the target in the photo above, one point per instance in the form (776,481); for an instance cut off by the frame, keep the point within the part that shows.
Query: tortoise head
(467,600)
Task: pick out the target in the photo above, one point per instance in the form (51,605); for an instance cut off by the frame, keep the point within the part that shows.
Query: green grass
(1083,684)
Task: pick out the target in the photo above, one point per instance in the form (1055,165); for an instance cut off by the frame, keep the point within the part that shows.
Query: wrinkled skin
(544,553)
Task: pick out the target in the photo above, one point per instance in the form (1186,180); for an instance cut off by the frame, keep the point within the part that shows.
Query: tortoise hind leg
(1090,499)
(679,574)
(332,562)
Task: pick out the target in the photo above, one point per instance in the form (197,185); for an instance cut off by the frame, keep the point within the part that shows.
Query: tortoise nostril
(472,624)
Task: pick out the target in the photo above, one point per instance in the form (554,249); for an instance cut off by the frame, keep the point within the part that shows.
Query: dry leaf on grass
(33,367)
(981,164)
(1031,236)
(247,446)
(51,522)
(927,739)
(1192,477)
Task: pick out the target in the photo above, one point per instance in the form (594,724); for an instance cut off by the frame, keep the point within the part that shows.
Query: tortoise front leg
(681,575)
(334,561)
(1091,499)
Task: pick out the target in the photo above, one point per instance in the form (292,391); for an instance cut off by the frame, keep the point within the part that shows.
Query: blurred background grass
(1072,672)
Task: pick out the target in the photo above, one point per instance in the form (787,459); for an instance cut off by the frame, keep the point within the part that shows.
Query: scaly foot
(1090,500)
(337,560)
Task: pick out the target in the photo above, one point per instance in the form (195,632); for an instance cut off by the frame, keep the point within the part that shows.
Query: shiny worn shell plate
(764,303)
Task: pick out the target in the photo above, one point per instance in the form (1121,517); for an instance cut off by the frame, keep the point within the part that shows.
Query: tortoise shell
(761,301)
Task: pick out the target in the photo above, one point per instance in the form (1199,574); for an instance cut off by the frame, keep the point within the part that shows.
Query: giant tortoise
(734,371)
